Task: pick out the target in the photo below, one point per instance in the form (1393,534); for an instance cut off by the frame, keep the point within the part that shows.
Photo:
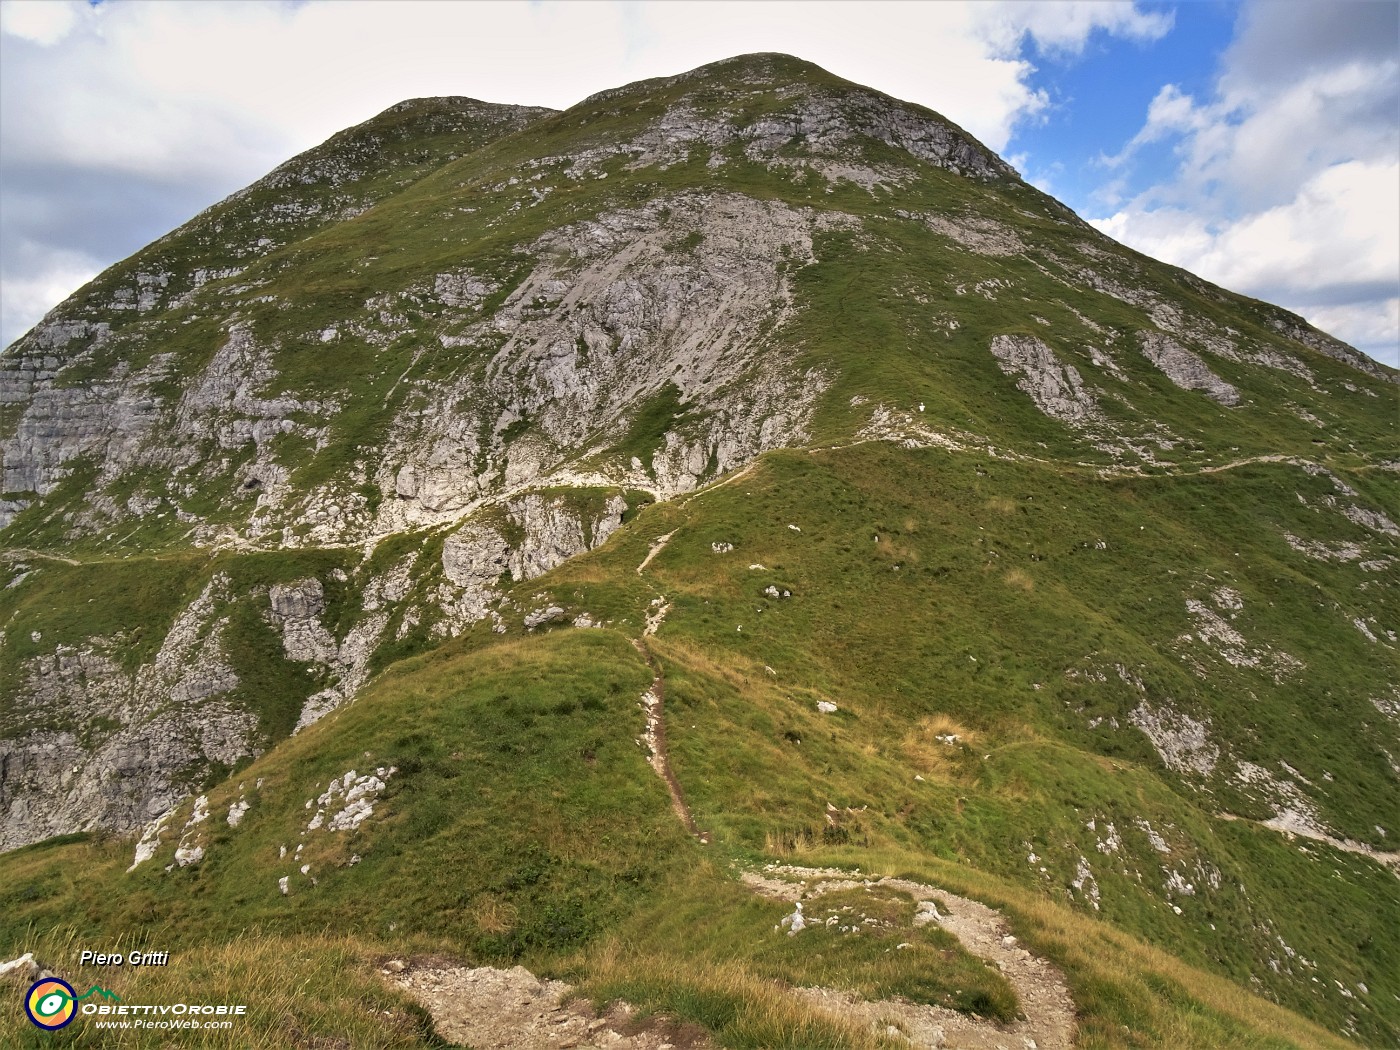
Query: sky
(1255,143)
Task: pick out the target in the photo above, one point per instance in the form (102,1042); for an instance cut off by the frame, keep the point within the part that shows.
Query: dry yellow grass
(585,570)
(493,915)
(737,671)
(307,991)
(922,747)
(899,553)
(789,844)
(1019,579)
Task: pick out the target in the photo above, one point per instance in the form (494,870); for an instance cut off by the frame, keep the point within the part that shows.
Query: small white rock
(15,964)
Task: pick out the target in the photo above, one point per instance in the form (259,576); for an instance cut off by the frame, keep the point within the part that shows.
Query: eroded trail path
(1292,825)
(513,1009)
(654,741)
(658,545)
(1045,1000)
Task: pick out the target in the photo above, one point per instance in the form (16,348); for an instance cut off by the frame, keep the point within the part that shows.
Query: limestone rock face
(129,741)
(610,318)
(831,125)
(1185,369)
(1302,332)
(128,738)
(58,422)
(297,607)
(544,532)
(304,599)
(224,399)
(1056,388)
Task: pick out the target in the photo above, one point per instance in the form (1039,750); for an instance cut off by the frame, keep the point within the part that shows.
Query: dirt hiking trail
(1049,1022)
(490,1009)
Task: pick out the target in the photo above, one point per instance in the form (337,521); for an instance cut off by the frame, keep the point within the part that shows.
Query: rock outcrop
(1185,369)
(1056,388)
(120,747)
(525,538)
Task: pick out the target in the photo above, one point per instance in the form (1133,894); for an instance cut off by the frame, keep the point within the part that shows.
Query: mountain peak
(774,108)
(769,67)
(763,67)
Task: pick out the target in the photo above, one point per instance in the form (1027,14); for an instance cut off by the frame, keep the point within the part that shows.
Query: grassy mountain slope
(804,392)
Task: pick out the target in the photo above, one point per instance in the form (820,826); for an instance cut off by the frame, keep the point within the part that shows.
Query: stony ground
(490,1009)
(1048,1023)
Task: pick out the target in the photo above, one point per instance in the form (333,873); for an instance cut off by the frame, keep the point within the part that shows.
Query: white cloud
(1341,229)
(43,22)
(151,86)
(184,90)
(1332,253)
(1286,134)
(1170,111)
(1285,187)
(1373,327)
(1063,27)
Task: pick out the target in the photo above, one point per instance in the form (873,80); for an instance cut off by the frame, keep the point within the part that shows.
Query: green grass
(996,594)
(592,879)
(658,415)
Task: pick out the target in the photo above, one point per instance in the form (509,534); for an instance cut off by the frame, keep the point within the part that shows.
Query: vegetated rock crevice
(613,320)
(128,746)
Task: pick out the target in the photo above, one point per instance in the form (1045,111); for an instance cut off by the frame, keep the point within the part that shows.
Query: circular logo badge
(50,1003)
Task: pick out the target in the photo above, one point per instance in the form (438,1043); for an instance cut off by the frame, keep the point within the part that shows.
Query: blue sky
(1255,143)
(1099,98)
